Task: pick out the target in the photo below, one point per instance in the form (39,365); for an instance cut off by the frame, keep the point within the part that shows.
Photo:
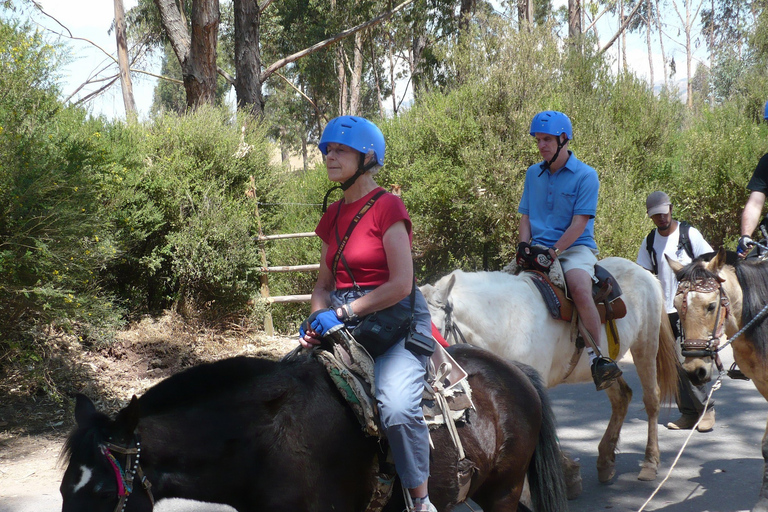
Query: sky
(92,19)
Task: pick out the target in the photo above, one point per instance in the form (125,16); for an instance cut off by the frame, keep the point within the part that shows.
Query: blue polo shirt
(551,201)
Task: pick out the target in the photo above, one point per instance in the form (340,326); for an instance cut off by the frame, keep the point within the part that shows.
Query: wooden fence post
(269,326)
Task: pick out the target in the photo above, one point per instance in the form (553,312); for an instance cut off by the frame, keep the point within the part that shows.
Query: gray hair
(373,171)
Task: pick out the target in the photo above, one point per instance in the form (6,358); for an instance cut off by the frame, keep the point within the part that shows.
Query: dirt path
(33,429)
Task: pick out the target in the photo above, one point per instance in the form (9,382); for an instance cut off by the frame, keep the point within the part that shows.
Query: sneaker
(684,422)
(604,372)
(422,506)
(707,423)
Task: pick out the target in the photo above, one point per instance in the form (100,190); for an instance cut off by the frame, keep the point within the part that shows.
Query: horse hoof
(647,474)
(573,489)
(606,474)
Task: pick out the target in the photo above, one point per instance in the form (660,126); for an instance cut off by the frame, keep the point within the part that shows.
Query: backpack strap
(651,252)
(685,240)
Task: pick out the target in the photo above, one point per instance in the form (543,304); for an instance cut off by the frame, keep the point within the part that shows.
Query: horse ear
(84,410)
(128,419)
(715,265)
(675,265)
(132,414)
(443,294)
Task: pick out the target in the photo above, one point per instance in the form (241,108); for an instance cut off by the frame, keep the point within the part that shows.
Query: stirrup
(735,373)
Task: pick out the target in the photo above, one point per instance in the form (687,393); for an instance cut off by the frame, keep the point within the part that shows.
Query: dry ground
(32,429)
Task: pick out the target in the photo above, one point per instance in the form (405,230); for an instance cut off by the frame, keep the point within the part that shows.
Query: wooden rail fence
(269,326)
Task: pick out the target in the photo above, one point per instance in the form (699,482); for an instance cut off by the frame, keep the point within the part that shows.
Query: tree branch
(319,46)
(621,28)
(317,110)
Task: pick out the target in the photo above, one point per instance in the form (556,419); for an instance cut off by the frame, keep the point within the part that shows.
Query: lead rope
(715,386)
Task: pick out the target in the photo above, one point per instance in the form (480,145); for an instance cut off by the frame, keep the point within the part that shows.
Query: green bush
(181,211)
(54,238)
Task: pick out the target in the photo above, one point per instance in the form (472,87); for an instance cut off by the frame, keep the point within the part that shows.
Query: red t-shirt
(364,251)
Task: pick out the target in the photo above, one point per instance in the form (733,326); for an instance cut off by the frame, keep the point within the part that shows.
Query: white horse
(506,314)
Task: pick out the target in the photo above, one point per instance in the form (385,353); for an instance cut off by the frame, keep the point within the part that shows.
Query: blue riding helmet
(355,132)
(553,123)
(765,111)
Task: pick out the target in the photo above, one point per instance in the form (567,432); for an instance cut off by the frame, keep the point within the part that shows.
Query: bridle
(451,329)
(705,347)
(126,475)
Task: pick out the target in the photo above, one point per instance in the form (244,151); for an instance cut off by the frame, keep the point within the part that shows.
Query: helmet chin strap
(362,168)
(560,144)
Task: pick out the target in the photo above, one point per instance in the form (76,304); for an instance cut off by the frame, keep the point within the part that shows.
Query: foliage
(53,239)
(182,213)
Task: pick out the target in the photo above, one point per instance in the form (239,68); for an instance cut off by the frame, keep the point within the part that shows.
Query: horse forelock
(753,280)
(85,440)
(694,272)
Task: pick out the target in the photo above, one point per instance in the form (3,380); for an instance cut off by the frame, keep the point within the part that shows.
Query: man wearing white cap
(682,243)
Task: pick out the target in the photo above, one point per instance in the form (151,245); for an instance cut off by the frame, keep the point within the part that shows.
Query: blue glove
(745,244)
(324,320)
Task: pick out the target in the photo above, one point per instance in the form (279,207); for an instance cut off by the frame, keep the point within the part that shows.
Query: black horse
(261,435)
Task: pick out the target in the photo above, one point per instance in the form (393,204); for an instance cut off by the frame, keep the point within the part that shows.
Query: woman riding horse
(369,270)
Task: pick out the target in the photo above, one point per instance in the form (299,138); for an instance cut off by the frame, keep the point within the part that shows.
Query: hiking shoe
(707,422)
(604,372)
(422,506)
(684,422)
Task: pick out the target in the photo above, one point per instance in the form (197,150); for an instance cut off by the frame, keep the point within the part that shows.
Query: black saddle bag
(378,331)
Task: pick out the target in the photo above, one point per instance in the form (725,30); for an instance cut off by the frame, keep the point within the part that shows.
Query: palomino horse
(505,314)
(714,300)
(278,437)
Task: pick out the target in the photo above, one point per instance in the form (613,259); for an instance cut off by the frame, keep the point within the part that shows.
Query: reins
(452,331)
(125,476)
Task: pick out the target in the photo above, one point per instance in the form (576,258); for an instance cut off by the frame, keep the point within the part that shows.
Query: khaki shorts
(579,256)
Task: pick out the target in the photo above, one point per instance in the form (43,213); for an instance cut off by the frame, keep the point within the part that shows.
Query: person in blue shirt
(557,210)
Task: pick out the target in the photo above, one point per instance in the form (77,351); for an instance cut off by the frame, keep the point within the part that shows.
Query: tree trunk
(648,40)
(248,56)
(574,20)
(200,77)
(661,44)
(196,53)
(525,13)
(123,62)
(356,80)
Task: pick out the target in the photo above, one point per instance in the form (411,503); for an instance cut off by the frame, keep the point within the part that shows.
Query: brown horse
(715,299)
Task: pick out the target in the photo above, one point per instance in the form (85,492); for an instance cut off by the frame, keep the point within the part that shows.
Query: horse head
(704,308)
(439,302)
(102,461)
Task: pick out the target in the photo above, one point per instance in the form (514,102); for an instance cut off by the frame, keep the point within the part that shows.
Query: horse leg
(620,394)
(762,504)
(572,472)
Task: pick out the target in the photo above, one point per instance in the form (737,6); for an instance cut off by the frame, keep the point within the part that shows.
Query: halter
(126,476)
(705,347)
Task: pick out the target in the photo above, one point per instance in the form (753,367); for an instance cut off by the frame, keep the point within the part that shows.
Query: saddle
(605,292)
(446,401)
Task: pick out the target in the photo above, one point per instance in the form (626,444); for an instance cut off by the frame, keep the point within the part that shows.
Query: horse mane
(204,380)
(195,384)
(753,279)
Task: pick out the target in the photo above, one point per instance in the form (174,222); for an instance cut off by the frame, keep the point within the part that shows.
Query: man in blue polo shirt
(558,210)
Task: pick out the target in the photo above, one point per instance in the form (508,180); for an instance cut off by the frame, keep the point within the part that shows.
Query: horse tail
(545,473)
(667,362)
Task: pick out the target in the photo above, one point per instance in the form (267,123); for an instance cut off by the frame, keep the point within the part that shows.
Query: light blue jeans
(400,378)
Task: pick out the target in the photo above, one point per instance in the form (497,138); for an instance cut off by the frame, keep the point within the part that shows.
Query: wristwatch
(557,251)
(345,313)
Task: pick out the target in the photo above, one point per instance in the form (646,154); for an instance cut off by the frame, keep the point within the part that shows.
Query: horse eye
(711,307)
